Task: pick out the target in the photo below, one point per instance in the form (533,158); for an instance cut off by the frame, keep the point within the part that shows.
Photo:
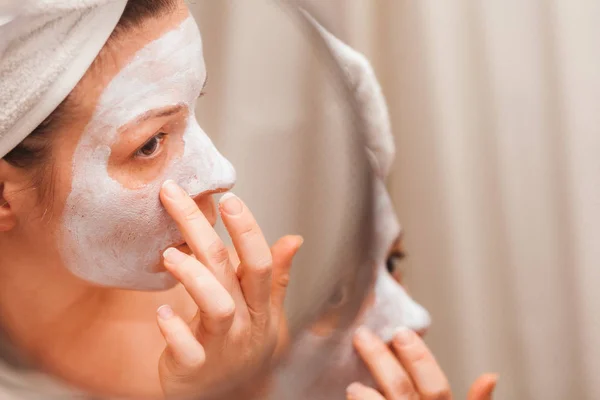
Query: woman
(96,220)
(102,204)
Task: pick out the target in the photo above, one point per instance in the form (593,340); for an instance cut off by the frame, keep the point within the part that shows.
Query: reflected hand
(234,333)
(408,372)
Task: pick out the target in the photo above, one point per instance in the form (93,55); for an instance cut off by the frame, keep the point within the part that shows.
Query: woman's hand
(408,372)
(235,330)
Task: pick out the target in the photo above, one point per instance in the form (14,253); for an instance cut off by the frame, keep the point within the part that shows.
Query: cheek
(58,180)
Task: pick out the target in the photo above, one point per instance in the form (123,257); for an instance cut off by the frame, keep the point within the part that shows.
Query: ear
(8,219)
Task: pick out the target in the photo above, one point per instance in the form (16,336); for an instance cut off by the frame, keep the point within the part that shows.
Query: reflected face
(143,131)
(388,308)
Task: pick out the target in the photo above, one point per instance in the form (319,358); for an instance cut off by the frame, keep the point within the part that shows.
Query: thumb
(283,252)
(483,387)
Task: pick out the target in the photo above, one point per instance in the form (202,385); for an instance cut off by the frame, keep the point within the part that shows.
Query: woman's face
(132,129)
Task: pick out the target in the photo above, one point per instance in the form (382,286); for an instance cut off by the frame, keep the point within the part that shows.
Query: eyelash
(392,259)
(158,139)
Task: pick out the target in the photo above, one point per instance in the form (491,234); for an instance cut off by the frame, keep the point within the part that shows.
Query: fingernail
(362,334)
(300,240)
(353,391)
(231,204)
(403,336)
(165,312)
(173,191)
(173,256)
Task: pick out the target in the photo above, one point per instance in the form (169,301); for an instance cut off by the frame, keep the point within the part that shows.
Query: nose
(421,332)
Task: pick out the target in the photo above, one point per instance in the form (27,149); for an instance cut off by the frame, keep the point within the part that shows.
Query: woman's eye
(393,261)
(152,146)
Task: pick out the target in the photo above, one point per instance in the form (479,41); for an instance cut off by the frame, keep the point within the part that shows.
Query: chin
(159,282)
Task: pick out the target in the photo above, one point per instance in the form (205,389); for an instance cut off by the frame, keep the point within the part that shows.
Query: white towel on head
(371,101)
(46,46)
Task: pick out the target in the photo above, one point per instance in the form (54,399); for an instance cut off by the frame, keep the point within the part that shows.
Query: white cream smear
(113,236)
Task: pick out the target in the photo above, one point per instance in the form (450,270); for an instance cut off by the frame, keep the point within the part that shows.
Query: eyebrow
(160,113)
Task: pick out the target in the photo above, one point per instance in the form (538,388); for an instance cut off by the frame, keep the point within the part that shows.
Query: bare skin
(113,342)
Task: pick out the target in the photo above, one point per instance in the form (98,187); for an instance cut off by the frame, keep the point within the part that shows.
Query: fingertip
(483,387)
(167,183)
(299,240)
(165,312)
(358,391)
(226,196)
(185,349)
(492,383)
(354,390)
(363,336)
(173,257)
(285,249)
(403,337)
(230,205)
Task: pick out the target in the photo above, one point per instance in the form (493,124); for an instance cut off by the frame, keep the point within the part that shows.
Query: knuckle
(417,353)
(263,267)
(193,360)
(220,316)
(401,385)
(218,253)
(226,311)
(283,280)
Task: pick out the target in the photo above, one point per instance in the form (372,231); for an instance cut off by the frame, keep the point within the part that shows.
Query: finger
(215,305)
(200,236)
(256,262)
(391,378)
(358,391)
(186,352)
(283,252)
(483,387)
(421,366)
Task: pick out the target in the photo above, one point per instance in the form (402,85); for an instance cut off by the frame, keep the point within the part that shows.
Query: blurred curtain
(495,109)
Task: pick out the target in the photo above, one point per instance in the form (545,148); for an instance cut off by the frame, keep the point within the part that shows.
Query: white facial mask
(393,307)
(114,236)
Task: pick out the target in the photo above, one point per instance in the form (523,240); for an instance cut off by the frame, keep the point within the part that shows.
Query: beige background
(495,109)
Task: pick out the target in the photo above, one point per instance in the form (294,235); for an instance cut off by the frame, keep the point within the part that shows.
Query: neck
(99,339)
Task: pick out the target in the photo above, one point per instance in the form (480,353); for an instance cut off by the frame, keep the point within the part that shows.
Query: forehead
(167,71)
